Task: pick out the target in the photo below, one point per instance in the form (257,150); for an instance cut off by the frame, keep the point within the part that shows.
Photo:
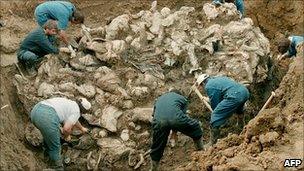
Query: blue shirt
(61,11)
(169,105)
(218,88)
(39,43)
(295,40)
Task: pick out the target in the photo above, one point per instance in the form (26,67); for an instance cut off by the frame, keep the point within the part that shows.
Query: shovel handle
(268,101)
(202,98)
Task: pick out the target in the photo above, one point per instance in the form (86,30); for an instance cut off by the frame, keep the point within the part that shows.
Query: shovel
(203,99)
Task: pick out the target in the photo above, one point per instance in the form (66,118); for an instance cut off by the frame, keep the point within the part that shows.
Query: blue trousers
(233,102)
(161,130)
(28,58)
(46,120)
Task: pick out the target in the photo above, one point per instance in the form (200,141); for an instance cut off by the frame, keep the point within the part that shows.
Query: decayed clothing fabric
(226,97)
(170,114)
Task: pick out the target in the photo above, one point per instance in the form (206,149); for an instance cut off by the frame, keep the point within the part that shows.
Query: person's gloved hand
(68,49)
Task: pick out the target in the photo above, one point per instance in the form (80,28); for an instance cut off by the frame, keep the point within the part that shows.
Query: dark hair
(283,45)
(50,24)
(78,17)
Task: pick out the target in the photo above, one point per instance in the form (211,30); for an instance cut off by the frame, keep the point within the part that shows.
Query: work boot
(57,165)
(214,135)
(154,165)
(199,145)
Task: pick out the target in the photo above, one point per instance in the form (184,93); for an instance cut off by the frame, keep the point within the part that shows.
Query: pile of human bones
(123,66)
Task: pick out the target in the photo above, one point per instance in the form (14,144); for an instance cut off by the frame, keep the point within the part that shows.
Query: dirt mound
(15,153)
(274,135)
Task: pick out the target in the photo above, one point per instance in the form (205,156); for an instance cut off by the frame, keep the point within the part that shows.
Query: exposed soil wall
(16,154)
(274,135)
(277,18)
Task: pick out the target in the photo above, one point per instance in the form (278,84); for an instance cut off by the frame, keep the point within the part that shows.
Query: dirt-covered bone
(123,66)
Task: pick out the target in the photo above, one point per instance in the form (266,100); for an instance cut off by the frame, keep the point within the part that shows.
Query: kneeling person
(47,116)
(37,44)
(170,114)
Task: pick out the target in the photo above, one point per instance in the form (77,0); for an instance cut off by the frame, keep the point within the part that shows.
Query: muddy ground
(275,18)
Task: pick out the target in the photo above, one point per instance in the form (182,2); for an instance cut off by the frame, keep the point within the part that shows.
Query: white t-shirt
(67,110)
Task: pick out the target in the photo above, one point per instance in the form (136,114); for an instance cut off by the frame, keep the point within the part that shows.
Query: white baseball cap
(201,78)
(85,103)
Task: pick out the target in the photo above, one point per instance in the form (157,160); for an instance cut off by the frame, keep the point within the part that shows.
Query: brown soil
(275,18)
(15,153)
(268,139)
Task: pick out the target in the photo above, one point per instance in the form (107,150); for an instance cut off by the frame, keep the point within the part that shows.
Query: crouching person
(47,116)
(170,114)
(288,46)
(36,45)
(226,96)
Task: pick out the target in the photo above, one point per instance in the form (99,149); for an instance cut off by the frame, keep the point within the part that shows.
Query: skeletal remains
(122,67)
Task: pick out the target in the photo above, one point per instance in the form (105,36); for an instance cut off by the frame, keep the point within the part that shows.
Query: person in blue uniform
(288,46)
(61,11)
(226,97)
(37,44)
(47,115)
(170,114)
